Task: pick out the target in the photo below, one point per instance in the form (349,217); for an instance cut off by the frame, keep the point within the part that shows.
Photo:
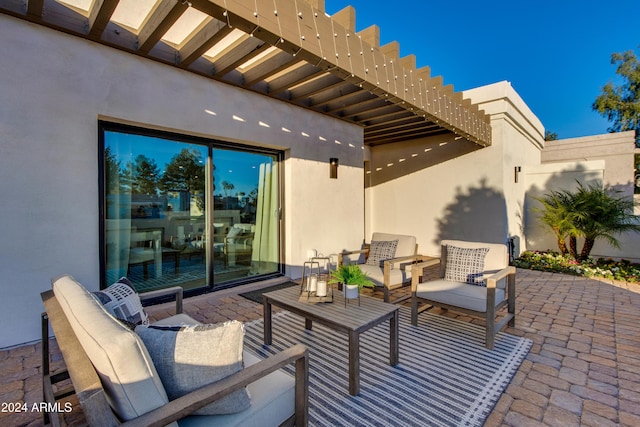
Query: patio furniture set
(162,373)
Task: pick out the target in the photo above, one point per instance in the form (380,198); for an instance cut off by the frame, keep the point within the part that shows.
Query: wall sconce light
(516,171)
(333,168)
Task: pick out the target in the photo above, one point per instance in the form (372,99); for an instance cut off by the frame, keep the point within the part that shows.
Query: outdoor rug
(256,296)
(446,377)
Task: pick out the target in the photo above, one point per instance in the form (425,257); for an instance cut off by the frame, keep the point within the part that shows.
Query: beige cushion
(272,402)
(176,320)
(376,274)
(190,357)
(406,244)
(128,376)
(458,294)
(496,259)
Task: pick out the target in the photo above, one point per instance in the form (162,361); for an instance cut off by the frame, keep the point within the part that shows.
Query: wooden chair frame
(492,326)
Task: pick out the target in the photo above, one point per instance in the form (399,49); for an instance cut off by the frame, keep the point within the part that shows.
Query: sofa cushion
(380,251)
(190,357)
(121,300)
(465,265)
(458,294)
(130,380)
(272,402)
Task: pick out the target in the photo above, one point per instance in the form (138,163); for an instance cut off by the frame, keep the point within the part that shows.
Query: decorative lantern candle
(322,288)
(312,284)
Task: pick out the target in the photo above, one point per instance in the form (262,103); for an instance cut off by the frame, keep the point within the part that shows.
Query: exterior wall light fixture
(516,171)
(333,168)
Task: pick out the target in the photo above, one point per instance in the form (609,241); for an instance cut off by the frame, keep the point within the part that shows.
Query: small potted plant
(353,278)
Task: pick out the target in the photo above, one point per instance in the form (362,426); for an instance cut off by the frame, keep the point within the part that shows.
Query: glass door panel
(245,214)
(155,216)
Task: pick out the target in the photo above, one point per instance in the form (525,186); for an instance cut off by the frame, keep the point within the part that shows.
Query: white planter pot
(351,291)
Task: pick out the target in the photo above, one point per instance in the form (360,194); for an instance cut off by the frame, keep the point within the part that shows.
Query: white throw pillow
(465,265)
(121,300)
(190,357)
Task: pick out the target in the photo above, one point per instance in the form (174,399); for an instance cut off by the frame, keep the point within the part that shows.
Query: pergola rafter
(287,49)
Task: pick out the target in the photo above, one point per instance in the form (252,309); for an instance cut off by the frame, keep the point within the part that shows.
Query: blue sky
(555,53)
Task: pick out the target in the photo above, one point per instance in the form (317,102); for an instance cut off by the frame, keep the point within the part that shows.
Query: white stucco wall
(616,149)
(539,179)
(445,187)
(606,158)
(54,90)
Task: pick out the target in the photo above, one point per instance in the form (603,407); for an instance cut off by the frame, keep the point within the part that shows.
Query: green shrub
(622,270)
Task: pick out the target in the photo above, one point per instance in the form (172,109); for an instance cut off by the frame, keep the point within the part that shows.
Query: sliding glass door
(164,195)
(245,214)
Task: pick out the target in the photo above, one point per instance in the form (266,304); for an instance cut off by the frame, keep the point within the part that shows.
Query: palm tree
(556,213)
(590,212)
(601,215)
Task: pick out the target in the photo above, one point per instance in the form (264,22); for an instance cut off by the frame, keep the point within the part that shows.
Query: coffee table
(352,319)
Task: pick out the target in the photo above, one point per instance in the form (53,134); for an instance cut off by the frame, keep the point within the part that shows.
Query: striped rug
(446,377)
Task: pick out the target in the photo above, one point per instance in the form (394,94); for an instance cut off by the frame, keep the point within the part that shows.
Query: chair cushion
(380,251)
(121,300)
(465,265)
(130,380)
(497,258)
(376,274)
(406,244)
(458,294)
(272,402)
(190,357)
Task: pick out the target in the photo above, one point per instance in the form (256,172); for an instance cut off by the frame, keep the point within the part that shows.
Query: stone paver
(583,368)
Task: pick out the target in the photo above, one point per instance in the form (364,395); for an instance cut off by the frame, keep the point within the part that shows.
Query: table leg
(394,333)
(354,363)
(266,309)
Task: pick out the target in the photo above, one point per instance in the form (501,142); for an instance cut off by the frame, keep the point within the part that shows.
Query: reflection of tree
(112,172)
(145,174)
(226,187)
(185,173)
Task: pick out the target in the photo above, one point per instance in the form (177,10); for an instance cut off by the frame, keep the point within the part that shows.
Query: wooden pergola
(290,50)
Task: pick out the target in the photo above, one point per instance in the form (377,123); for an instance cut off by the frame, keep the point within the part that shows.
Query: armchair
(475,279)
(146,247)
(115,379)
(238,244)
(387,267)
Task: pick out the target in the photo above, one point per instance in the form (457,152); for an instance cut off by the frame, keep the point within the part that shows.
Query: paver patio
(583,369)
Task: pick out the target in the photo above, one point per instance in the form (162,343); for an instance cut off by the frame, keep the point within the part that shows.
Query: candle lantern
(314,286)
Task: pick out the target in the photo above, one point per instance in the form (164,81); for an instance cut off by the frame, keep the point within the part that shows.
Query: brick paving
(583,368)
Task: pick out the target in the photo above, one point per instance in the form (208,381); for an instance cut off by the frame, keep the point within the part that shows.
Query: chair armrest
(411,258)
(174,290)
(187,404)
(493,279)
(342,254)
(417,269)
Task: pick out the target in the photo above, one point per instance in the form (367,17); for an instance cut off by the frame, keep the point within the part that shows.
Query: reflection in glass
(155,211)
(157,219)
(246,214)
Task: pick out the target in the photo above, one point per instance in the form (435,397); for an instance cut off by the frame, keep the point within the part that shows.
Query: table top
(352,317)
